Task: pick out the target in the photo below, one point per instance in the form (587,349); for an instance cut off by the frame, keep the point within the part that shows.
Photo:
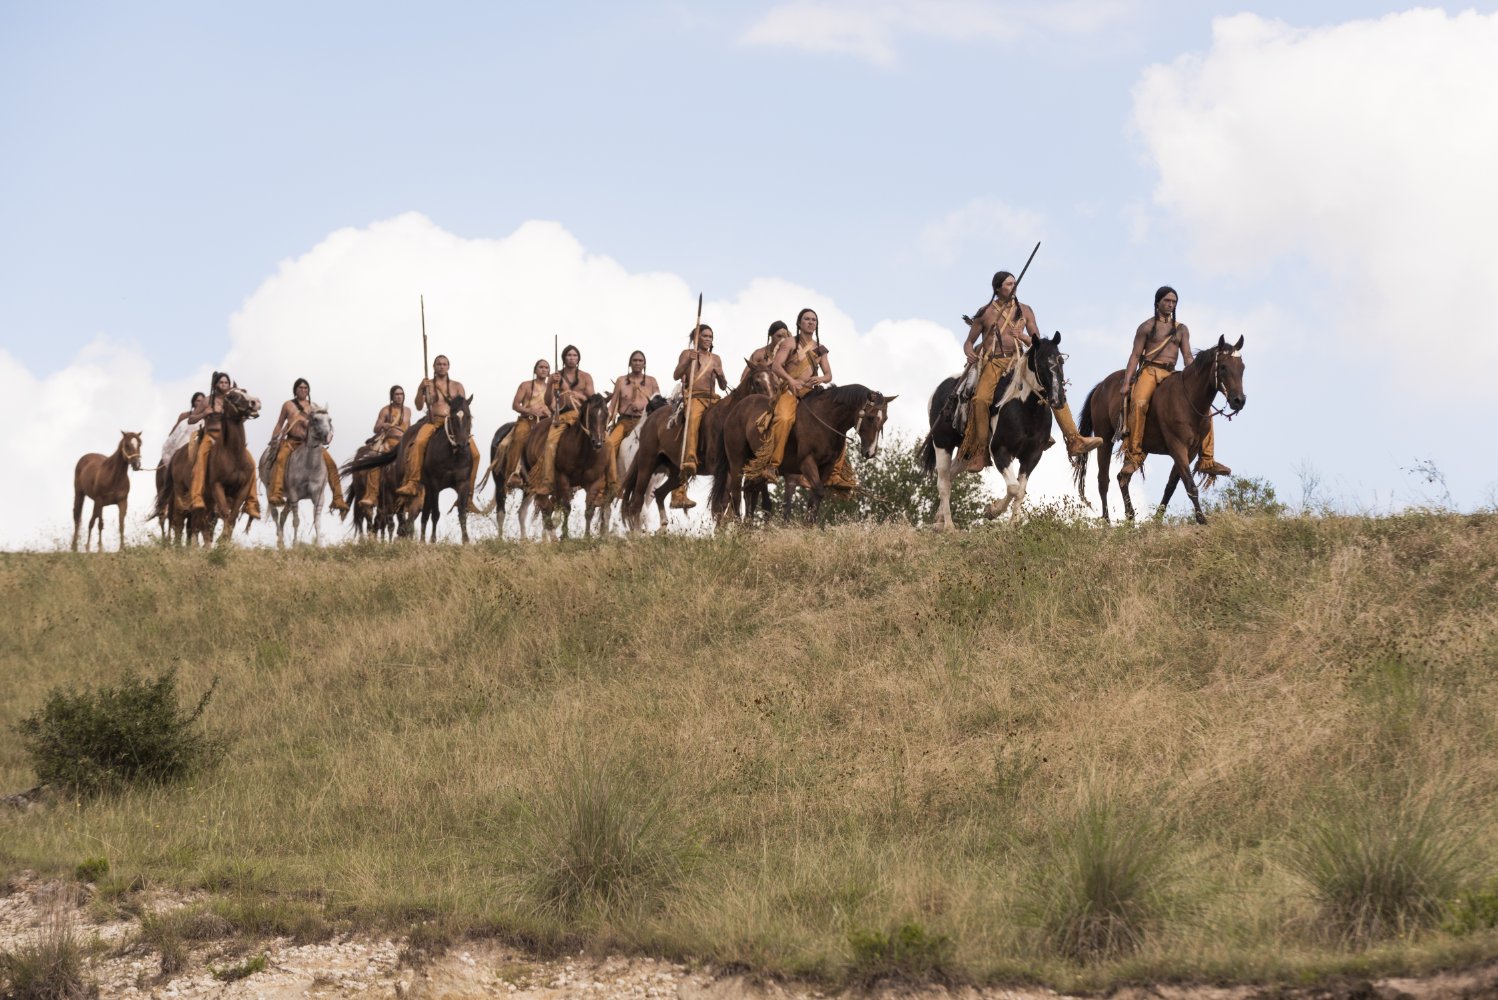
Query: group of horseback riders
(791,365)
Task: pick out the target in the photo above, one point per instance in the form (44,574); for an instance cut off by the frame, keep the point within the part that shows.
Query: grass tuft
(245,969)
(907,953)
(50,968)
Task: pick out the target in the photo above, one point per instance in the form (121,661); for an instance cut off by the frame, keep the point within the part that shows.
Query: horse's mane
(1204,358)
(840,394)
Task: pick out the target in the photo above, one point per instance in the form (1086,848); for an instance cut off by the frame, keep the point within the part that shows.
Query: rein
(1212,409)
(867,409)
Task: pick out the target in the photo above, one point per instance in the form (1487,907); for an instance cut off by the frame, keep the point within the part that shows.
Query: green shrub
(91,869)
(893,488)
(1250,497)
(1104,884)
(245,969)
(1471,912)
(908,952)
(1381,864)
(602,846)
(51,968)
(102,740)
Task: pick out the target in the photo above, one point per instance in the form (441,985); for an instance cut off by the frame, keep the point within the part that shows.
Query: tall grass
(51,966)
(799,740)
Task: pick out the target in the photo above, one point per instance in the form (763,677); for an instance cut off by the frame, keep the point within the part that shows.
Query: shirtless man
(705,370)
(1158,342)
(999,333)
(762,355)
(433,396)
(570,388)
(533,404)
(292,420)
(210,413)
(632,392)
(389,427)
(799,364)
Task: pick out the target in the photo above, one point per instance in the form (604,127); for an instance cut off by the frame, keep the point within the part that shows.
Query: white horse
(306,478)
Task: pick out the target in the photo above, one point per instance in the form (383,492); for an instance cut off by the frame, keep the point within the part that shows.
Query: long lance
(686,395)
(556,373)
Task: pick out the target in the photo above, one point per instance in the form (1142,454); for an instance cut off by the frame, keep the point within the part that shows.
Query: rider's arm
(1029,331)
(197,413)
(684,364)
(824,365)
(275,432)
(1136,351)
(1185,343)
(421,393)
(522,398)
(974,331)
(777,363)
(718,369)
(584,390)
(613,410)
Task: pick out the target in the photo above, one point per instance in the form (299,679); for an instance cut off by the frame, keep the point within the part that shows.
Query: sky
(269,189)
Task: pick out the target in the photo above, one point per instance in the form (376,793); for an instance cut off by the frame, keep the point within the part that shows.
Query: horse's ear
(1239,346)
(1222,342)
(891,399)
(1057,339)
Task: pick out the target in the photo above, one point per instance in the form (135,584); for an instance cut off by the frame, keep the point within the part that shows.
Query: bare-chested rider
(209,411)
(390,425)
(999,333)
(1158,342)
(704,369)
(633,391)
(434,395)
(762,356)
(532,404)
(289,434)
(799,364)
(570,388)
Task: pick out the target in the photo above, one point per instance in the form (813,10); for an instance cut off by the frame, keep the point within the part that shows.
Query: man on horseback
(210,413)
(998,334)
(293,420)
(695,400)
(570,389)
(799,364)
(533,403)
(762,355)
(632,393)
(1157,344)
(434,395)
(390,426)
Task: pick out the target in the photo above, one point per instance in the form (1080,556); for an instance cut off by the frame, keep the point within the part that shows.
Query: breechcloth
(694,407)
(547,471)
(972,455)
(621,430)
(771,450)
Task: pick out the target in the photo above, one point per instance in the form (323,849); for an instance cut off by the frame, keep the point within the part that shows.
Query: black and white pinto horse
(1019,426)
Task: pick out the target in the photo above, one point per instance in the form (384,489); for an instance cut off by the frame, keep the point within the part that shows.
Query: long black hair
(1160,293)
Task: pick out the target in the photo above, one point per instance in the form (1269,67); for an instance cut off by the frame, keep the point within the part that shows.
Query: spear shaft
(686,394)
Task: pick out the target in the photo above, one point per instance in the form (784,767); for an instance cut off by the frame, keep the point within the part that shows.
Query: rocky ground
(364,967)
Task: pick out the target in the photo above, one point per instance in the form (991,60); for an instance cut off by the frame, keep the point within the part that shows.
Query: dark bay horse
(660,449)
(228,479)
(104,479)
(1019,426)
(1180,411)
(446,465)
(818,438)
(580,464)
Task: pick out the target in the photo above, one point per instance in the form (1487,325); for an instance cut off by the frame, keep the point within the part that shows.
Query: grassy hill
(1261,749)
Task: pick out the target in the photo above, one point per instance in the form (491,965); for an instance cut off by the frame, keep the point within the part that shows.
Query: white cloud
(985,222)
(1366,150)
(872,30)
(345,316)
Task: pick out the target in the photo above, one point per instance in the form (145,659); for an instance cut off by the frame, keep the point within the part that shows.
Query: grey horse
(306,478)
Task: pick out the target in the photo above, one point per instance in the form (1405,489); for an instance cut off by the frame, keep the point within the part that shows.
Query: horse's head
(130,448)
(1047,365)
(1228,376)
(595,418)
(459,423)
(870,422)
(319,427)
(241,404)
(757,380)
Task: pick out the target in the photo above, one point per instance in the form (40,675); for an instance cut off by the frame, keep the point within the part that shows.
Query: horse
(660,450)
(530,456)
(176,440)
(227,481)
(1179,415)
(105,480)
(581,463)
(305,479)
(1019,423)
(379,523)
(818,439)
(447,464)
(629,447)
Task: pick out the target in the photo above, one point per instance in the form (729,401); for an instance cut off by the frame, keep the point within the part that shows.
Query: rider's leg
(333,480)
(414,456)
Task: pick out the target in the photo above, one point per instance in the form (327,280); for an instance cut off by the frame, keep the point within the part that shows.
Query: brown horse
(227,481)
(818,439)
(379,522)
(581,463)
(1180,412)
(104,479)
(660,448)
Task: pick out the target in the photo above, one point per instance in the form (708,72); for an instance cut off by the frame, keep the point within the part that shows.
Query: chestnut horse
(228,478)
(824,417)
(1180,412)
(105,480)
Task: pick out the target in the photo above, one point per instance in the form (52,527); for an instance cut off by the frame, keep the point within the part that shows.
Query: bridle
(1213,410)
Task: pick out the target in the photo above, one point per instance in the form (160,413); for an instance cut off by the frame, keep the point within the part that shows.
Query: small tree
(1249,496)
(893,488)
(96,741)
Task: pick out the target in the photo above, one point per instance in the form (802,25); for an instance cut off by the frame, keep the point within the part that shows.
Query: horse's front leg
(124,502)
(1104,462)
(943,520)
(317,522)
(1182,469)
(1170,489)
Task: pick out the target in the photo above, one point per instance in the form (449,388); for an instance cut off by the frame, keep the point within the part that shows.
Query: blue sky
(163,162)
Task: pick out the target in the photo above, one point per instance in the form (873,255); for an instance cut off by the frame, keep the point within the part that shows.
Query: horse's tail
(77,506)
(375,461)
(719,496)
(1079,464)
(928,455)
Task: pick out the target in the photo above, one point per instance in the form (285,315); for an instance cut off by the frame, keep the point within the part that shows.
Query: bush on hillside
(908,952)
(103,740)
(1249,496)
(894,489)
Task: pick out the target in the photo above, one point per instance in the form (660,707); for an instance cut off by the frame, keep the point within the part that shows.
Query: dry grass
(849,730)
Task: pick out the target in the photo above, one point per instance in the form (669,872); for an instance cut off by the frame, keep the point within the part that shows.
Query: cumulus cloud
(983,222)
(872,30)
(1365,150)
(345,316)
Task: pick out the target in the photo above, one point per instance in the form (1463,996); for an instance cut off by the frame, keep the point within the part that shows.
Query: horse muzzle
(1237,402)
